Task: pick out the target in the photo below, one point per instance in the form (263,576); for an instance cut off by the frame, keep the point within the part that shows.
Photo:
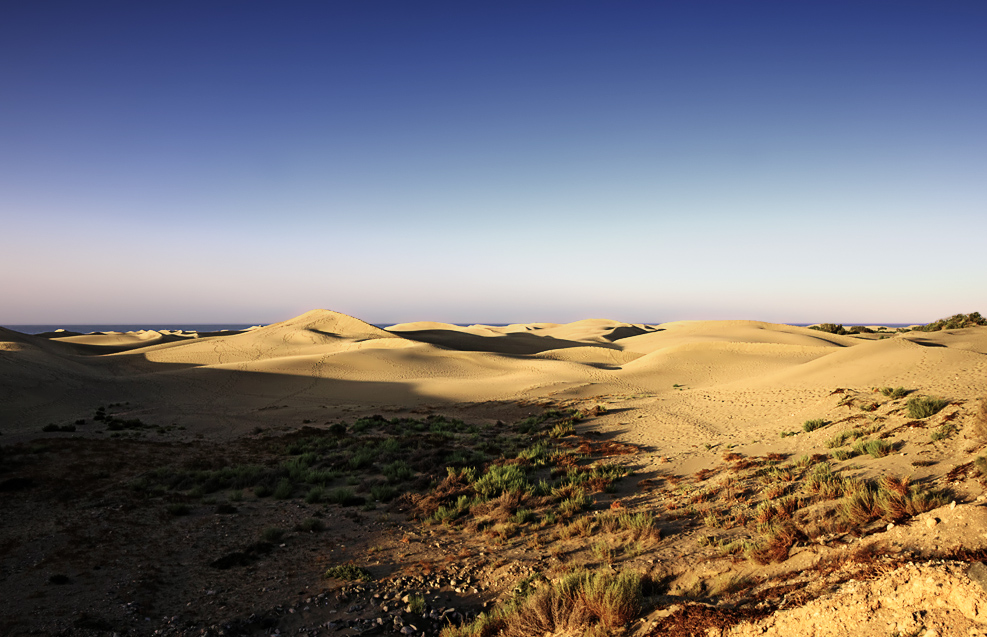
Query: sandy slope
(689,382)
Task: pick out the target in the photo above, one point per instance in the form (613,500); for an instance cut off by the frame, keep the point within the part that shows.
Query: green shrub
(575,504)
(831,328)
(812,425)
(416,605)
(345,497)
(874,448)
(272,534)
(398,471)
(315,495)
(925,406)
(311,525)
(383,492)
(501,478)
(362,459)
(957,321)
(945,431)
(897,392)
(284,489)
(842,454)
(521,516)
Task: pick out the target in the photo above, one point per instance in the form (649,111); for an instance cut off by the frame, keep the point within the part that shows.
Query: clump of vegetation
(874,448)
(861,329)
(943,432)
(52,427)
(896,393)
(830,328)
(957,321)
(892,499)
(841,438)
(583,603)
(348,572)
(812,425)
(924,406)
(980,463)
(272,534)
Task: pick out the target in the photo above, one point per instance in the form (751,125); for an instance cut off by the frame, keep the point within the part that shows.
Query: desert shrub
(416,605)
(842,454)
(861,329)
(283,490)
(812,425)
(522,516)
(345,497)
(562,429)
(362,458)
(890,498)
(262,491)
(897,392)
(578,502)
(311,525)
(315,495)
(383,492)
(954,322)
(980,463)
(943,432)
(178,509)
(840,439)
(874,448)
(272,534)
(831,328)
(51,427)
(501,478)
(348,572)
(398,471)
(924,406)
(778,542)
(640,524)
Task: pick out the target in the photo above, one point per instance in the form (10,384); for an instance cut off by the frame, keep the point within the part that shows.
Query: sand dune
(707,378)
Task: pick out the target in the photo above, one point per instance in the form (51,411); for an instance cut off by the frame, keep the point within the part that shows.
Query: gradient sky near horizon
(247,161)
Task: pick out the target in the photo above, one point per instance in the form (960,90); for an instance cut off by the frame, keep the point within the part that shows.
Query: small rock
(890,526)
(407,630)
(931,522)
(978,573)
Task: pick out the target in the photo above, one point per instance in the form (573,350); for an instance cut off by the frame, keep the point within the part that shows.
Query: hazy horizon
(457,162)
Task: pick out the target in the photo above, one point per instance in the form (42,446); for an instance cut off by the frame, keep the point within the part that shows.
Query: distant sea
(87,329)
(216,327)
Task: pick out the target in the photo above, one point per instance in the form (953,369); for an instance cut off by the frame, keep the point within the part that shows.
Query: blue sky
(467,161)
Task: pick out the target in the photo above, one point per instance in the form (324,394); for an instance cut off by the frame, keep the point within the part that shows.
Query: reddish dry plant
(704,474)
(780,543)
(606,448)
(959,471)
(730,456)
(744,463)
(775,457)
(647,485)
(775,492)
